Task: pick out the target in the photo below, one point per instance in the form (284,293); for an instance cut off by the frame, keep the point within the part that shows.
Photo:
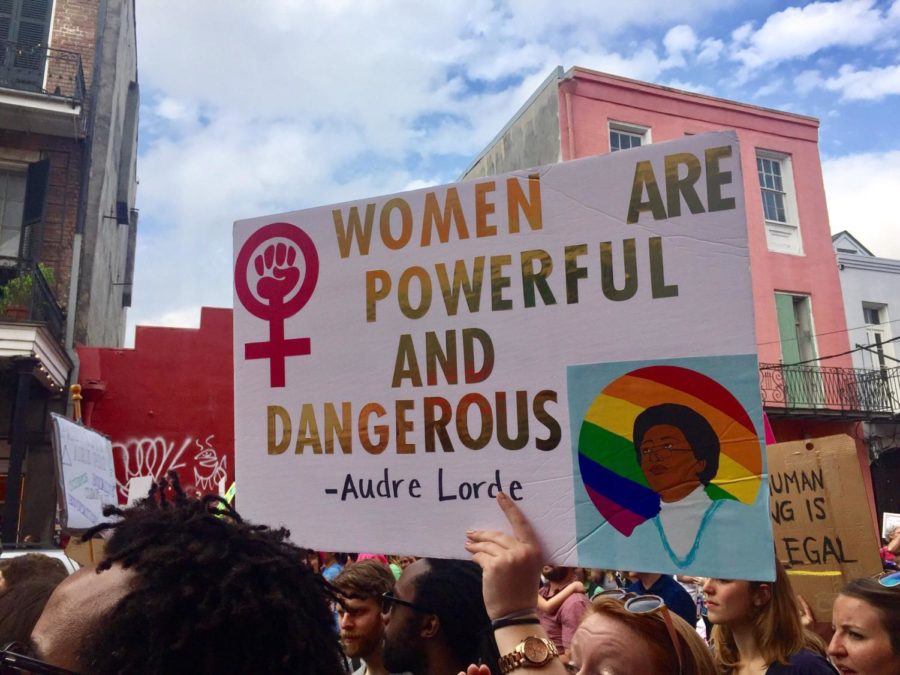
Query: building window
(779,202)
(624,136)
(798,342)
(879,350)
(12,205)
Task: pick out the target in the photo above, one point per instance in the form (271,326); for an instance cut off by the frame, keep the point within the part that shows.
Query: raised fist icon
(278,272)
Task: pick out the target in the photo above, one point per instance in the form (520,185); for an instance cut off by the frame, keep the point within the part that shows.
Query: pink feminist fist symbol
(278,273)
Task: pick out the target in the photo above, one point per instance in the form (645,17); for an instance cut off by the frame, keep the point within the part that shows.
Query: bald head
(74,611)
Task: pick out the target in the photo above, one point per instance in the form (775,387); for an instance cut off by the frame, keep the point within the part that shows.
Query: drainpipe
(567,87)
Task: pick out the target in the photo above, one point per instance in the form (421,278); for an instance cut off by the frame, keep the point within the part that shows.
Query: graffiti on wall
(156,455)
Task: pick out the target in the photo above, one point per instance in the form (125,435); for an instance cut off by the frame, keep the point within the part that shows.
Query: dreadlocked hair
(212,594)
(451,589)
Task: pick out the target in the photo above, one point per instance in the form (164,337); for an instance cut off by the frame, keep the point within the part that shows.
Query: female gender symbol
(278,276)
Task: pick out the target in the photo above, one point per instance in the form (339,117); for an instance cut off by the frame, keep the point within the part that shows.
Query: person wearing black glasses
(435,619)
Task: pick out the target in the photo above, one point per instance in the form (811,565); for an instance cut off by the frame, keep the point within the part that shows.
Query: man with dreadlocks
(435,620)
(187,586)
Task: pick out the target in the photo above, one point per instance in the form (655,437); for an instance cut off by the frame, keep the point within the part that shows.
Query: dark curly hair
(452,590)
(696,429)
(212,594)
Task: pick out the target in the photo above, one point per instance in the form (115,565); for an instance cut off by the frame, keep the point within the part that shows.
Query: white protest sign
(87,479)
(889,521)
(579,336)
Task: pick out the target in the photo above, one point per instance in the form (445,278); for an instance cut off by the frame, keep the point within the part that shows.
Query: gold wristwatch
(532,652)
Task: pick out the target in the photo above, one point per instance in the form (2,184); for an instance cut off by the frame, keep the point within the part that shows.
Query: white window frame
(883,330)
(629,130)
(782,237)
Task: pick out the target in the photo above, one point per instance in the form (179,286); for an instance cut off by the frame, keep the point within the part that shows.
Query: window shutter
(33,213)
(31,34)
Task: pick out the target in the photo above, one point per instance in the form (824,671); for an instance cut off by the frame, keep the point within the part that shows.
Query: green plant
(17,291)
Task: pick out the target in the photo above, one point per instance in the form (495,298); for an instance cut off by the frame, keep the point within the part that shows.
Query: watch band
(520,657)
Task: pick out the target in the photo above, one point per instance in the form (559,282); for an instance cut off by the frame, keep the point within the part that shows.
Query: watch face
(535,650)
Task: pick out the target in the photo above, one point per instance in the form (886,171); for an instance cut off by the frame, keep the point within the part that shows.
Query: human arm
(511,567)
(550,605)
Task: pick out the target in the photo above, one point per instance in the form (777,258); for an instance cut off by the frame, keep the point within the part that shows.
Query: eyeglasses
(14,660)
(663,451)
(647,604)
(889,579)
(388,600)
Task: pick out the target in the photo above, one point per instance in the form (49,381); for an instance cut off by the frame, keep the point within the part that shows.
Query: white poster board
(85,473)
(399,359)
(888,522)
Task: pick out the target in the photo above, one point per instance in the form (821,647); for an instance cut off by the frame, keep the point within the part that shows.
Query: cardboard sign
(579,336)
(823,530)
(84,469)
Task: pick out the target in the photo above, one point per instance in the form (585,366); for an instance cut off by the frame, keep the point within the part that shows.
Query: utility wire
(830,332)
(825,358)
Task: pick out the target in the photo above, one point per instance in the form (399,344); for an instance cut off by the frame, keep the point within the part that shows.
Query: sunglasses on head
(648,604)
(14,658)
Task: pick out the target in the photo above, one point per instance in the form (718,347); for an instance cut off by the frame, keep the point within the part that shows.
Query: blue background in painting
(737,542)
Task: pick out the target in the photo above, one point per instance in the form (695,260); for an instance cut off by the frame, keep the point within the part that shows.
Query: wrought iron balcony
(822,390)
(22,67)
(25,295)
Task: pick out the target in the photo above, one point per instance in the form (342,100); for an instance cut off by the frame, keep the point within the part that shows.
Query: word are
(680,187)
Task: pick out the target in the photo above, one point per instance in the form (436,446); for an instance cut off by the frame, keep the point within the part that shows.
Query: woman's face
(729,602)
(861,644)
(603,645)
(668,462)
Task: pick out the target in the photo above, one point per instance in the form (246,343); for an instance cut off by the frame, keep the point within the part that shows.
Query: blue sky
(300,103)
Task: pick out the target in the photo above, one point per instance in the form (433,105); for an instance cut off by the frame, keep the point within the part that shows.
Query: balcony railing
(22,68)
(26,296)
(860,391)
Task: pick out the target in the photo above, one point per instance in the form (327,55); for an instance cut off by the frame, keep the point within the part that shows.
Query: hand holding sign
(511,564)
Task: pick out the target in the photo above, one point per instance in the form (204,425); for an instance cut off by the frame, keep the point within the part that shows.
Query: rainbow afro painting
(607,459)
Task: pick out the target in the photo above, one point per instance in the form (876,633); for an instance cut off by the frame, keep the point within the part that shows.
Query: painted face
(362,627)
(861,645)
(404,649)
(668,462)
(74,610)
(602,645)
(729,602)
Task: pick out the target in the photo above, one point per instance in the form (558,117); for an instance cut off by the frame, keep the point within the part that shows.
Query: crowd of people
(188,586)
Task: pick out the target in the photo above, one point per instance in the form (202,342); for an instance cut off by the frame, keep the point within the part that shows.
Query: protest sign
(824,534)
(85,474)
(566,334)
(889,521)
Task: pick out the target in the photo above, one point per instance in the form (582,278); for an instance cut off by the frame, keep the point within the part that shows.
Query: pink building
(796,289)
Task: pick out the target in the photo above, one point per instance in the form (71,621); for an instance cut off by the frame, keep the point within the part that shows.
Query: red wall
(167,403)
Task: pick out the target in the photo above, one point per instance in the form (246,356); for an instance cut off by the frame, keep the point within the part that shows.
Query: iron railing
(25,295)
(22,68)
(815,388)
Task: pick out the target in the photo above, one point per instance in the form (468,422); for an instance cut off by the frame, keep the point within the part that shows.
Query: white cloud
(808,80)
(680,39)
(710,49)
(857,188)
(871,84)
(802,31)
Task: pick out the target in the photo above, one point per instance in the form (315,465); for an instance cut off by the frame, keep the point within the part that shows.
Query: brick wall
(74,29)
(63,193)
